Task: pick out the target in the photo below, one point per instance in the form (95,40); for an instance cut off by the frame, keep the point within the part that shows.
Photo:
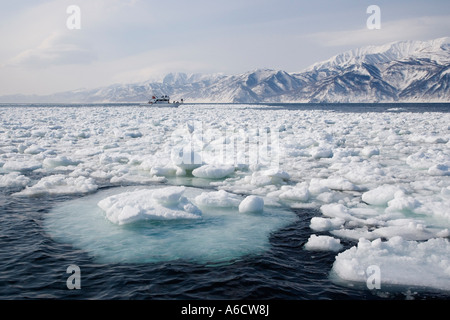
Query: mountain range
(403,71)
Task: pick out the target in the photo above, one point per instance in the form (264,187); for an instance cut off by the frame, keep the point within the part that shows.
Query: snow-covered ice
(381,195)
(60,184)
(220,199)
(251,204)
(401,262)
(371,176)
(323,243)
(59,161)
(299,192)
(164,204)
(14,179)
(212,171)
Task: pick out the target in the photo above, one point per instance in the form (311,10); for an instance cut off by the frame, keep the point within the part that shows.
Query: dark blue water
(336,107)
(352,107)
(33,265)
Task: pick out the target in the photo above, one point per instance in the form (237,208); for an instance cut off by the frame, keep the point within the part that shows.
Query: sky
(44,50)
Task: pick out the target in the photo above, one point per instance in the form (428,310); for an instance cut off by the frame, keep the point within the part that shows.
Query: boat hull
(169,105)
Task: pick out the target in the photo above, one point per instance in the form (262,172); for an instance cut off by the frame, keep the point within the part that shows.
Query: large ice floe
(136,225)
(379,183)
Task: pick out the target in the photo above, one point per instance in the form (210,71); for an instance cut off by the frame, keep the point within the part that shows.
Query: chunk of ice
(299,192)
(251,204)
(323,243)
(401,262)
(14,179)
(219,198)
(59,161)
(381,195)
(60,184)
(158,204)
(21,165)
(326,224)
(212,171)
(321,152)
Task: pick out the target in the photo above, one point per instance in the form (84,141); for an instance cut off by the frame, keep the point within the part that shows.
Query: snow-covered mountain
(407,71)
(398,71)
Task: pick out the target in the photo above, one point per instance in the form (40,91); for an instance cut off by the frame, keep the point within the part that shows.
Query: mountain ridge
(402,71)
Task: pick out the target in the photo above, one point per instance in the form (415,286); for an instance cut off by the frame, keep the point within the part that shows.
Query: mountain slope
(399,71)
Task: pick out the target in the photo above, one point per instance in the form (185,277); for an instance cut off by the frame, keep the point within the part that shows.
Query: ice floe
(14,179)
(212,171)
(219,198)
(323,243)
(381,195)
(251,204)
(401,262)
(60,184)
(160,223)
(166,203)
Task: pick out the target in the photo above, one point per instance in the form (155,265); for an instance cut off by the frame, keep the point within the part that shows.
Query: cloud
(421,28)
(37,33)
(56,49)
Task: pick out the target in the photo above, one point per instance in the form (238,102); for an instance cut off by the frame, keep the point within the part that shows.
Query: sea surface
(33,263)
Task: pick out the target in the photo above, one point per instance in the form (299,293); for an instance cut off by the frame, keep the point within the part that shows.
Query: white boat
(164,101)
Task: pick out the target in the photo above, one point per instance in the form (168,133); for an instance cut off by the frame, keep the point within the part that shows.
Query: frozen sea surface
(225,201)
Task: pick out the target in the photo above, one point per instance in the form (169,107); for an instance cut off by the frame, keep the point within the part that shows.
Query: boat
(164,101)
